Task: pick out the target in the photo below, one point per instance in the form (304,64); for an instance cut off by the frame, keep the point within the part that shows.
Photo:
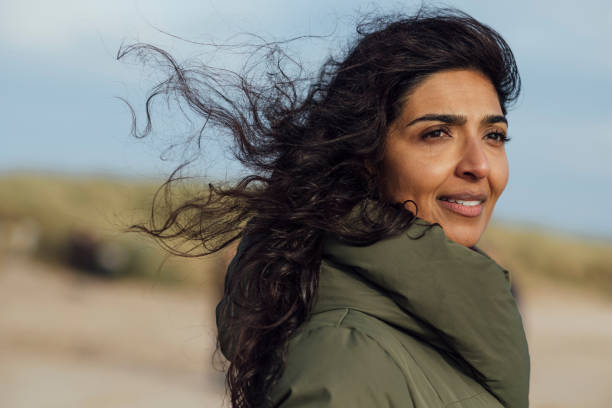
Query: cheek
(397,174)
(500,175)
(414,176)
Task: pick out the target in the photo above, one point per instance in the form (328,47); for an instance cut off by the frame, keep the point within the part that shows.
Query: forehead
(462,92)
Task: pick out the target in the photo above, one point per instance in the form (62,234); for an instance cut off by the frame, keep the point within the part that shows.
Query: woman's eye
(498,137)
(435,134)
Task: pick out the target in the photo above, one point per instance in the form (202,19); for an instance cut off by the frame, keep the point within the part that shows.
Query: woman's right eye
(435,134)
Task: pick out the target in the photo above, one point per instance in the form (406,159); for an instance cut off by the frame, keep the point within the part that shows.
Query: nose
(474,163)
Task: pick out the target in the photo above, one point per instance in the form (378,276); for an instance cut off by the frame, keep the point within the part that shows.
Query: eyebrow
(492,119)
(457,119)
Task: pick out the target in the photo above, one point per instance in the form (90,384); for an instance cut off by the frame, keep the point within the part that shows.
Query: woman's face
(446,153)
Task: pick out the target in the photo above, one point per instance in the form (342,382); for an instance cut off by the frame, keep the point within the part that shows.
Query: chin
(463,237)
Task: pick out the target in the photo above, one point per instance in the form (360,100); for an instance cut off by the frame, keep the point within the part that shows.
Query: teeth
(468,203)
(462,202)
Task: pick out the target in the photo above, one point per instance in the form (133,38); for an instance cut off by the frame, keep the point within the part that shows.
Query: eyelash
(500,136)
(435,133)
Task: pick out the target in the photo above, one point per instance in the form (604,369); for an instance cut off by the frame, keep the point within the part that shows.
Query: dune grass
(97,209)
(103,208)
(575,260)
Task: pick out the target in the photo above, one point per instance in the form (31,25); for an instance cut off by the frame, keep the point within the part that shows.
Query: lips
(466,204)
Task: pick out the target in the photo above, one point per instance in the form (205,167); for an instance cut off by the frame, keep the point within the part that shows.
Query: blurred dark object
(91,254)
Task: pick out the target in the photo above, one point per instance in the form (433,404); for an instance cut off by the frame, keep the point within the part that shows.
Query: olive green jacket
(412,321)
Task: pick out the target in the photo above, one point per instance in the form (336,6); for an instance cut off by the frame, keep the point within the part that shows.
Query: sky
(60,82)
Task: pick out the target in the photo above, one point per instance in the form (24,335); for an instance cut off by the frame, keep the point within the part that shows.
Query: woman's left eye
(498,137)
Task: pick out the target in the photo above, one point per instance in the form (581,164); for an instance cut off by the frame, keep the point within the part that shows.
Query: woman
(357,282)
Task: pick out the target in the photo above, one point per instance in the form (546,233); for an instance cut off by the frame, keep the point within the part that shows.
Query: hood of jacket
(454,298)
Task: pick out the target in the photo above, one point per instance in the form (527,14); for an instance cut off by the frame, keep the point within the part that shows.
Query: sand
(69,340)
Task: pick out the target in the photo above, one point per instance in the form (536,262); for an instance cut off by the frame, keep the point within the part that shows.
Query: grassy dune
(62,212)
(62,208)
(537,252)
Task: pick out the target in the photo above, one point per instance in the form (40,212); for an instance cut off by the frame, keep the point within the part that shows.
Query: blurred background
(92,316)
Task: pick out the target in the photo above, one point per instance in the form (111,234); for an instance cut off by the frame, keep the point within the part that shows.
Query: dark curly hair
(314,148)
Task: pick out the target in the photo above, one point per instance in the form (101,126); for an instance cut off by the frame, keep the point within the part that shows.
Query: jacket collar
(454,298)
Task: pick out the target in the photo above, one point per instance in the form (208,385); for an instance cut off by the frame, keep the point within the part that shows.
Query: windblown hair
(314,148)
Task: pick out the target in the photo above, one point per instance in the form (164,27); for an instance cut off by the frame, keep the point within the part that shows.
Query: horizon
(62,78)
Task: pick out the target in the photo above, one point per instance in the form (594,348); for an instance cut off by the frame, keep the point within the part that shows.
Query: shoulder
(337,360)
